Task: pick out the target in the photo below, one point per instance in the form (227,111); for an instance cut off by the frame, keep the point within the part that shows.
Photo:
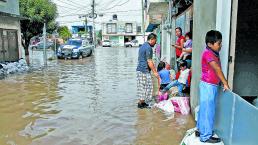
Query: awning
(151,27)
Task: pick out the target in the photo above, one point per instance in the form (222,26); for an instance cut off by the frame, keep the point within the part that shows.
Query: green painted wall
(10,6)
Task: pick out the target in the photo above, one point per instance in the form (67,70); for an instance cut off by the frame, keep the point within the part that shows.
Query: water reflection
(88,101)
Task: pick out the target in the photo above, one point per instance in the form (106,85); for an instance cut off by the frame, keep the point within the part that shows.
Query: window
(129,28)
(139,29)
(111,28)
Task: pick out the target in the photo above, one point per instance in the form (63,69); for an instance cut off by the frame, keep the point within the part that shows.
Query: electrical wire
(116,5)
(74,14)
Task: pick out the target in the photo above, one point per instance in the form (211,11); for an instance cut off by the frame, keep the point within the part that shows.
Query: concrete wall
(204,17)
(12,23)
(236,120)
(223,25)
(11,7)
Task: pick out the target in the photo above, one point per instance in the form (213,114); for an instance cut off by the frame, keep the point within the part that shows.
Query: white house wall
(223,25)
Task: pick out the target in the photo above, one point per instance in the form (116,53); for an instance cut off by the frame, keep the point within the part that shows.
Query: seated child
(164,74)
(165,79)
(181,79)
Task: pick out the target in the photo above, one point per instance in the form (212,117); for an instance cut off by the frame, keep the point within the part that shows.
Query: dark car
(40,45)
(75,48)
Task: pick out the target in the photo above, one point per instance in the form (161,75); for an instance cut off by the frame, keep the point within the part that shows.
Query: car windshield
(74,42)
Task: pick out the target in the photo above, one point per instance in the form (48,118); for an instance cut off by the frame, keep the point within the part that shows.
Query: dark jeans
(162,86)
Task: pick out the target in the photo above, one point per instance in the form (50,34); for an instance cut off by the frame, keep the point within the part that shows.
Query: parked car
(40,45)
(132,43)
(106,43)
(75,48)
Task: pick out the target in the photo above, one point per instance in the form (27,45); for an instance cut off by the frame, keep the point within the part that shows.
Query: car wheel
(130,45)
(50,47)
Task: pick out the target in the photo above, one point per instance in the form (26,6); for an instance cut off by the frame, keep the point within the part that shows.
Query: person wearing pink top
(212,76)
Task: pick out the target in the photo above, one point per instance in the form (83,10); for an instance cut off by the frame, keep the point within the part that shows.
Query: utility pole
(44,45)
(93,27)
(86,29)
(143,23)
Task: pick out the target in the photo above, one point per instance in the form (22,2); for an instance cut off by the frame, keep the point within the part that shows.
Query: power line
(108,3)
(74,14)
(74,2)
(117,5)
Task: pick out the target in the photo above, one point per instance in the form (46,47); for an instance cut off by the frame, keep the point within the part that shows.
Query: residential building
(81,28)
(10,34)
(120,32)
(237,21)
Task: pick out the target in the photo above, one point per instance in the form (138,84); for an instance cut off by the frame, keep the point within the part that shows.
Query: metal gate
(8,45)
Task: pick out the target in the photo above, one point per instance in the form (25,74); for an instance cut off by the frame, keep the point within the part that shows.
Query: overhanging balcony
(157,7)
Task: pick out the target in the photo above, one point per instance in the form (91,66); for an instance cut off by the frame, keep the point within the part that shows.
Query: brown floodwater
(83,102)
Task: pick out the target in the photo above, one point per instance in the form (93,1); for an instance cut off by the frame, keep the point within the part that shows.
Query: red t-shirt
(178,42)
(208,73)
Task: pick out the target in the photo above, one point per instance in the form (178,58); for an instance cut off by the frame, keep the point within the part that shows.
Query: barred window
(111,28)
(129,28)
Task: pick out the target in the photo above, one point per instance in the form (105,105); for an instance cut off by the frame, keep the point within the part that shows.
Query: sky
(69,11)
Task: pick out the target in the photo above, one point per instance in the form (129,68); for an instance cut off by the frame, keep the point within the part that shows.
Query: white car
(106,43)
(133,43)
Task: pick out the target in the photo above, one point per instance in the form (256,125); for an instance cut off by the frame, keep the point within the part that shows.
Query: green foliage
(99,35)
(81,33)
(37,12)
(64,32)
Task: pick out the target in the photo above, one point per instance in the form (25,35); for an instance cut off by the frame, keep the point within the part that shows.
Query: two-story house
(10,34)
(120,32)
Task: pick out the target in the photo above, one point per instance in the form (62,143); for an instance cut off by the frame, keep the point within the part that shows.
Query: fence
(236,120)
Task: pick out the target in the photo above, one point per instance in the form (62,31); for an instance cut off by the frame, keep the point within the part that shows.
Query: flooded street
(78,102)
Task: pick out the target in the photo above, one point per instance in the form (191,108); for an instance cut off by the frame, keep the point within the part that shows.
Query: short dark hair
(151,36)
(161,66)
(182,63)
(189,34)
(212,37)
(179,28)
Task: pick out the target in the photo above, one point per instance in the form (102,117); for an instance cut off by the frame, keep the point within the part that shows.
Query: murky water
(77,102)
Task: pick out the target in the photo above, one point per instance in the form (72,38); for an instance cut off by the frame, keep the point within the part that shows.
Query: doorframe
(232,48)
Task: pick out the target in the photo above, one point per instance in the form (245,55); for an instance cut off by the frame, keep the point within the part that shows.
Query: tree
(37,12)
(64,32)
(99,34)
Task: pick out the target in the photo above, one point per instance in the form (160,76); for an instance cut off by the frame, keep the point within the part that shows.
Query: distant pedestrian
(179,42)
(187,49)
(212,75)
(144,67)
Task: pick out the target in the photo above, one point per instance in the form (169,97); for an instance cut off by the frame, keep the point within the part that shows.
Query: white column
(223,18)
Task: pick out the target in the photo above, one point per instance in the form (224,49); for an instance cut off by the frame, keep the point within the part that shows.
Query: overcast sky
(69,11)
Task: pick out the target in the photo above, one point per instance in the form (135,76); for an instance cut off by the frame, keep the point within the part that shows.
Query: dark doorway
(246,51)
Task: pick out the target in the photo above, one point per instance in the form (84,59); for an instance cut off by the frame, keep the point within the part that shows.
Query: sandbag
(191,139)
(181,104)
(165,105)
